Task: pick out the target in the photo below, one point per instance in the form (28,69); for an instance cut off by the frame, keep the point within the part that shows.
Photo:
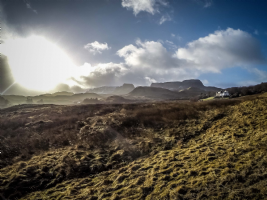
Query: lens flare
(37,63)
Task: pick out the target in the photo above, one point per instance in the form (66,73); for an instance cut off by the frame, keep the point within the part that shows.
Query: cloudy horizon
(73,45)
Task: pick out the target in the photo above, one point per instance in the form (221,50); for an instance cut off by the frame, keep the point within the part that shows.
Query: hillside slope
(201,150)
(165,94)
(154,93)
(182,85)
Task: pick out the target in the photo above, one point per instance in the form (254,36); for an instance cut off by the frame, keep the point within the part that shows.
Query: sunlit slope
(219,155)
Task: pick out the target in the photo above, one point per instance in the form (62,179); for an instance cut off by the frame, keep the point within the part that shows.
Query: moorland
(157,150)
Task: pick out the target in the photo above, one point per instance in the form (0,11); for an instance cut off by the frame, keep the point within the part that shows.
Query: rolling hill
(176,150)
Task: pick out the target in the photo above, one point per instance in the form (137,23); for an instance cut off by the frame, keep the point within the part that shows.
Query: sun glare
(37,63)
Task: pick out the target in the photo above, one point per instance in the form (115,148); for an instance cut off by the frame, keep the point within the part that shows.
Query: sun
(37,63)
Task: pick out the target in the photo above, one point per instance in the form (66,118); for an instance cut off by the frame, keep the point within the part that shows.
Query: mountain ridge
(181,85)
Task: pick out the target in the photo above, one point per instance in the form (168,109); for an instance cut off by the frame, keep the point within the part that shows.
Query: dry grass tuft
(174,150)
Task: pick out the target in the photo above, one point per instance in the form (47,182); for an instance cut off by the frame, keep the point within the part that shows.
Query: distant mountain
(63,93)
(154,93)
(124,89)
(194,91)
(121,90)
(102,90)
(182,85)
(52,99)
(164,94)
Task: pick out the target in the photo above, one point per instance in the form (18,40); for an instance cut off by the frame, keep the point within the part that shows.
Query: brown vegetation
(3,102)
(256,89)
(172,150)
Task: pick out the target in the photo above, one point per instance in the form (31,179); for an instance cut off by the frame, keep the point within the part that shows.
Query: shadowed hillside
(171,150)
(154,93)
(182,85)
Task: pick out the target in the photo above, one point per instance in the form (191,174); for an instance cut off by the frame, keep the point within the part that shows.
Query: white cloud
(114,74)
(222,49)
(150,80)
(150,6)
(171,45)
(149,61)
(149,54)
(165,18)
(96,47)
(176,36)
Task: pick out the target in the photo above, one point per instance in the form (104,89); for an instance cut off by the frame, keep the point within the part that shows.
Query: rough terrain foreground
(204,150)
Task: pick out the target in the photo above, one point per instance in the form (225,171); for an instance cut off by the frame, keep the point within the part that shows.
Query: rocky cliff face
(179,85)
(193,83)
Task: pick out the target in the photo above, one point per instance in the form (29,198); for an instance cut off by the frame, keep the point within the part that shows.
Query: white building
(222,94)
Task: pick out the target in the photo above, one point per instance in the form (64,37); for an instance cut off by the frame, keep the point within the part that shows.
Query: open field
(175,150)
(207,99)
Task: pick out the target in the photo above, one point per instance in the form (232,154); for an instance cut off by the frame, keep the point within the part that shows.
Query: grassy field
(203,150)
(207,99)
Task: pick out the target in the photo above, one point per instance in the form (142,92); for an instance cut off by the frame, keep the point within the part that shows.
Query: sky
(74,44)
